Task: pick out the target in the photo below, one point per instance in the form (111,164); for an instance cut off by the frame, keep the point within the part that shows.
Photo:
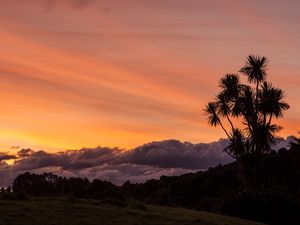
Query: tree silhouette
(251,108)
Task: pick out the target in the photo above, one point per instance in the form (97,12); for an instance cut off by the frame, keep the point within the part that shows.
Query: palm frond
(236,148)
(270,100)
(223,105)
(255,68)
(211,111)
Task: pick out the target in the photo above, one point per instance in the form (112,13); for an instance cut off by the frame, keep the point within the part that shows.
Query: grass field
(70,211)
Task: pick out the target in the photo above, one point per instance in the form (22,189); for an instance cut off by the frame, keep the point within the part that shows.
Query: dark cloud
(175,154)
(5,156)
(164,154)
(149,161)
(69,160)
(25,152)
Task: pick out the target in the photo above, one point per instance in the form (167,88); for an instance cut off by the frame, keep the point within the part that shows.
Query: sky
(87,73)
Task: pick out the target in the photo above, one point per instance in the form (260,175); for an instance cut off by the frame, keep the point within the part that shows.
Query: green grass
(69,211)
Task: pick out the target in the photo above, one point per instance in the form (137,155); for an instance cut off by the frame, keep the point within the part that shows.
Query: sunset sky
(83,73)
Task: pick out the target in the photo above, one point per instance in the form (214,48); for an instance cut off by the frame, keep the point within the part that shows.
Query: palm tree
(255,69)
(255,106)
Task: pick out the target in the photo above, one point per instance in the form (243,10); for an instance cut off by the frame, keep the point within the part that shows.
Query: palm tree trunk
(225,131)
(256,97)
(232,127)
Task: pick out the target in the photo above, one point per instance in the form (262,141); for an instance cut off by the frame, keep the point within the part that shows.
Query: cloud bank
(149,161)
(170,157)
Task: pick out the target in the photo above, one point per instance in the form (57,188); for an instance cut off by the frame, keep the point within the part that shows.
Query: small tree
(253,105)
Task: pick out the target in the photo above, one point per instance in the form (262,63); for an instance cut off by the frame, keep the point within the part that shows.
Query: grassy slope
(63,211)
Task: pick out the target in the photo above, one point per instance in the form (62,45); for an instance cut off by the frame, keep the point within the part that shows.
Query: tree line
(51,184)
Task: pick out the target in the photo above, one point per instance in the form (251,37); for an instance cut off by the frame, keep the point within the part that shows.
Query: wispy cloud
(76,4)
(74,76)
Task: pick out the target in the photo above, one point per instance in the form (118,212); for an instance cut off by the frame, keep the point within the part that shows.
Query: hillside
(71,211)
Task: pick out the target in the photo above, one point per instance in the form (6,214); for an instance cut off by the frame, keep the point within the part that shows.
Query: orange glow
(115,73)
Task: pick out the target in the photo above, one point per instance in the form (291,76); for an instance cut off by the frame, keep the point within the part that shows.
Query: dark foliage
(273,206)
(50,184)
